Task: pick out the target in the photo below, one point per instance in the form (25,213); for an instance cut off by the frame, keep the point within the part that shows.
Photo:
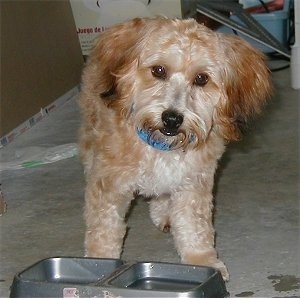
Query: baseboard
(44,112)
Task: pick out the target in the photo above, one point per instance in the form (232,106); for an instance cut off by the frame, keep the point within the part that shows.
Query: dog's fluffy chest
(162,173)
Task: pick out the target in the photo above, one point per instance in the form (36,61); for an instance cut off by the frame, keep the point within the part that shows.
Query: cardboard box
(93,16)
(40,57)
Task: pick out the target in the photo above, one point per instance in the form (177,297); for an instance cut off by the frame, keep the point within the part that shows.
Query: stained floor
(256,193)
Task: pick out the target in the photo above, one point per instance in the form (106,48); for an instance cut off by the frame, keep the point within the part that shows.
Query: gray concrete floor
(257,204)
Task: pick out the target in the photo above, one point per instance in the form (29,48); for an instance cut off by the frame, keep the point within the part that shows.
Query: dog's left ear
(246,85)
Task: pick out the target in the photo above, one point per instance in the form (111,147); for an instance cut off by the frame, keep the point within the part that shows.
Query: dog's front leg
(105,210)
(192,229)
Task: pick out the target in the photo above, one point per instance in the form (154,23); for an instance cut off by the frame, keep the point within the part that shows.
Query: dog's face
(177,88)
(176,82)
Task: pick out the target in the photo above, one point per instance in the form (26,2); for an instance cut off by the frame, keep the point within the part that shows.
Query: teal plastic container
(276,23)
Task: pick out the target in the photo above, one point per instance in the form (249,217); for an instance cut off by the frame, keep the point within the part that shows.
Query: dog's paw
(219,265)
(165,227)
(207,258)
(163,224)
(159,213)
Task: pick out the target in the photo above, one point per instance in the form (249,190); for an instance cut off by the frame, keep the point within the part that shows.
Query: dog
(160,100)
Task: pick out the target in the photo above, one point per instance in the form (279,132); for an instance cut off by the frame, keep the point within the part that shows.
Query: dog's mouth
(163,139)
(169,132)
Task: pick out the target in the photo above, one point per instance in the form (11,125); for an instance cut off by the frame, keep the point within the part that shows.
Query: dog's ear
(246,85)
(113,56)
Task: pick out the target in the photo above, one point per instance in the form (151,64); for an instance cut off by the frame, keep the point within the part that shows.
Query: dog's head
(176,81)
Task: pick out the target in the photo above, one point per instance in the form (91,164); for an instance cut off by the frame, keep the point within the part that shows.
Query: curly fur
(121,93)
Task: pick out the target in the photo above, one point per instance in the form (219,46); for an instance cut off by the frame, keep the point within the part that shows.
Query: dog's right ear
(114,55)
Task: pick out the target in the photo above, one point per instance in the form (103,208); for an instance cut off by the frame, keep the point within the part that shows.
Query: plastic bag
(35,156)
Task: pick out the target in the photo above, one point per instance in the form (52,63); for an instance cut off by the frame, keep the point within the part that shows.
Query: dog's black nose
(171,121)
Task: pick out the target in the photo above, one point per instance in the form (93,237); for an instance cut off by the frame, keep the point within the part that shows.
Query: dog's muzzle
(170,136)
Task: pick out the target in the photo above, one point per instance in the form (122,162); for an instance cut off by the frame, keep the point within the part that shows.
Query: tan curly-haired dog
(160,99)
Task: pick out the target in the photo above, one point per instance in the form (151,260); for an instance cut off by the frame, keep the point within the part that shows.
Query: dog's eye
(201,79)
(159,71)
